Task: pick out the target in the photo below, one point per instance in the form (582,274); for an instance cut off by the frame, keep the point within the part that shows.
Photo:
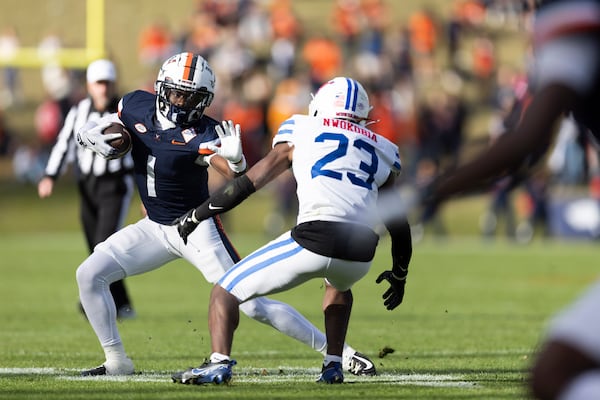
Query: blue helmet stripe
(355,98)
(348,94)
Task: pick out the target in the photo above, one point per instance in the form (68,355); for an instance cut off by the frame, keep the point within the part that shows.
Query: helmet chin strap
(164,122)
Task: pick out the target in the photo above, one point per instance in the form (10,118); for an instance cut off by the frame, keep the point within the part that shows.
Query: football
(122,144)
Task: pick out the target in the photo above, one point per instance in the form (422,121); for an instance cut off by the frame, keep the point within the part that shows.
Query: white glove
(231,142)
(90,136)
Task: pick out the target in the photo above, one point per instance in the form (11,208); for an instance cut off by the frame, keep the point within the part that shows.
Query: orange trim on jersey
(221,229)
(205,152)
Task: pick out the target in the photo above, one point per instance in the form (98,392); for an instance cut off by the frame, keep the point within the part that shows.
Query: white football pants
(145,246)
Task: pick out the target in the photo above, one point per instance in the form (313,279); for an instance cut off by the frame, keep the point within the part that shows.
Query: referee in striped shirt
(105,186)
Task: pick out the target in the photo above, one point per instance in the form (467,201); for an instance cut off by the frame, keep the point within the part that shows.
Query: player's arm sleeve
(236,191)
(226,198)
(401,246)
(401,238)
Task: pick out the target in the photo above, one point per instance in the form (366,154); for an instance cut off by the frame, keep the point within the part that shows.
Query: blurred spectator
(324,59)
(254,29)
(382,114)
(567,160)
(376,17)
(225,12)
(231,59)
(48,47)
(248,106)
(399,48)
(282,59)
(471,13)
(284,22)
(290,97)
(28,162)
(427,171)
(440,125)
(12,93)
(423,36)
(454,29)
(48,120)
(59,85)
(201,36)
(484,65)
(6,137)
(155,44)
(347,21)
(405,111)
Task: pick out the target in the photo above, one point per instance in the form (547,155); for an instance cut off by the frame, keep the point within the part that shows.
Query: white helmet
(342,98)
(189,77)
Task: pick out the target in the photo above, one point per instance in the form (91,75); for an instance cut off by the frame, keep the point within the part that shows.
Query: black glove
(394,295)
(186,224)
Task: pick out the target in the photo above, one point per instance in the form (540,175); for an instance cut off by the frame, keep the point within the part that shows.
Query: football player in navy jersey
(566,79)
(173,144)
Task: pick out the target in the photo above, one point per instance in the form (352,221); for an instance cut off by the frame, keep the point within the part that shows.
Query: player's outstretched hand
(231,142)
(90,136)
(394,295)
(186,224)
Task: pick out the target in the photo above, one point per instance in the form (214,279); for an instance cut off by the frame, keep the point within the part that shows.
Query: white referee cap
(101,70)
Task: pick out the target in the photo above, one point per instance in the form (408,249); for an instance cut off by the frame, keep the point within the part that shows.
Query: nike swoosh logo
(367,363)
(92,142)
(211,207)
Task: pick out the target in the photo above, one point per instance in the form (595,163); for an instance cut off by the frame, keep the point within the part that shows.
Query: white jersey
(339,167)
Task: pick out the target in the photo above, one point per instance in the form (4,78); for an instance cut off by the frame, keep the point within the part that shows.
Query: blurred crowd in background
(426,77)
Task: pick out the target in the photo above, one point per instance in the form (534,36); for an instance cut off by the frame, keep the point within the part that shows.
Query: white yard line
(288,374)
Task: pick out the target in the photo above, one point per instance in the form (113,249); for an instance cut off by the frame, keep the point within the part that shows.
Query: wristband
(193,217)
(396,277)
(239,166)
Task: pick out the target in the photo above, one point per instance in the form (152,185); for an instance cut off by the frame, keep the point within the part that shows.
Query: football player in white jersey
(566,76)
(339,166)
(173,143)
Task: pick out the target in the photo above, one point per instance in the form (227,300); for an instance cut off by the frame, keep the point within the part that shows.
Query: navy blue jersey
(168,164)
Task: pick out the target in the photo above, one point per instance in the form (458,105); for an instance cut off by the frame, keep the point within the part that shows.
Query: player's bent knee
(96,269)
(254,309)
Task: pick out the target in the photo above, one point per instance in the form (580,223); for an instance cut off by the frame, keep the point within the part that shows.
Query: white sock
(218,357)
(115,352)
(329,358)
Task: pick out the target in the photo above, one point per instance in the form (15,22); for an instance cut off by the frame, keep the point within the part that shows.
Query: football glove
(231,145)
(394,295)
(186,224)
(90,136)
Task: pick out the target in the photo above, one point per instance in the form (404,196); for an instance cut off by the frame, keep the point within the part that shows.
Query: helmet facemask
(180,106)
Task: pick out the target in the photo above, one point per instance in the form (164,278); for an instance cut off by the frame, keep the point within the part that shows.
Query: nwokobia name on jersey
(349,126)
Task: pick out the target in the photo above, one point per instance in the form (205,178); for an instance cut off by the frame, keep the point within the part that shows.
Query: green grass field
(472,317)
